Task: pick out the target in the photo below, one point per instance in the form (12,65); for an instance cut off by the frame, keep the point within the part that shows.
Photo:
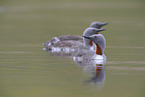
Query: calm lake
(36,73)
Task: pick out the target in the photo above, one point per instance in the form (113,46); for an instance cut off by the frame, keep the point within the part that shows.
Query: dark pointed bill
(86,37)
(103,24)
(100,30)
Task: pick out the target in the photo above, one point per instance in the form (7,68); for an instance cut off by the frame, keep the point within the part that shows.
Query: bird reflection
(93,69)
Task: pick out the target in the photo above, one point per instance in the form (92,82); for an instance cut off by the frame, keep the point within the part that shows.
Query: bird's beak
(103,24)
(86,37)
(98,30)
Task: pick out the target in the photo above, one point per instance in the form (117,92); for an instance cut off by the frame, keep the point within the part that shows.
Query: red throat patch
(91,43)
(98,50)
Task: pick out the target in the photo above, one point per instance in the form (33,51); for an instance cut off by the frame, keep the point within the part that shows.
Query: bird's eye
(95,37)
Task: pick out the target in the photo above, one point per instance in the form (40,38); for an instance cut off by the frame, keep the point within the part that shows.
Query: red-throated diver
(97,54)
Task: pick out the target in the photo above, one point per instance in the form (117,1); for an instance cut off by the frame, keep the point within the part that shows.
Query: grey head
(88,32)
(100,42)
(97,24)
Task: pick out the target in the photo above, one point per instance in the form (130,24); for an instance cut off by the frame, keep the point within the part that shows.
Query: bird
(98,54)
(74,45)
(72,38)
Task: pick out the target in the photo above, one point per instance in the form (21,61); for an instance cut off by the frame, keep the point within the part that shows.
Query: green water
(27,71)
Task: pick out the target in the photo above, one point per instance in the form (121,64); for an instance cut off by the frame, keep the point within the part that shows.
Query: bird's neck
(88,43)
(98,50)
(91,43)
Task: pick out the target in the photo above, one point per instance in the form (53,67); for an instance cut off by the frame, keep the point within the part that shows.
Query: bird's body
(74,44)
(63,38)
